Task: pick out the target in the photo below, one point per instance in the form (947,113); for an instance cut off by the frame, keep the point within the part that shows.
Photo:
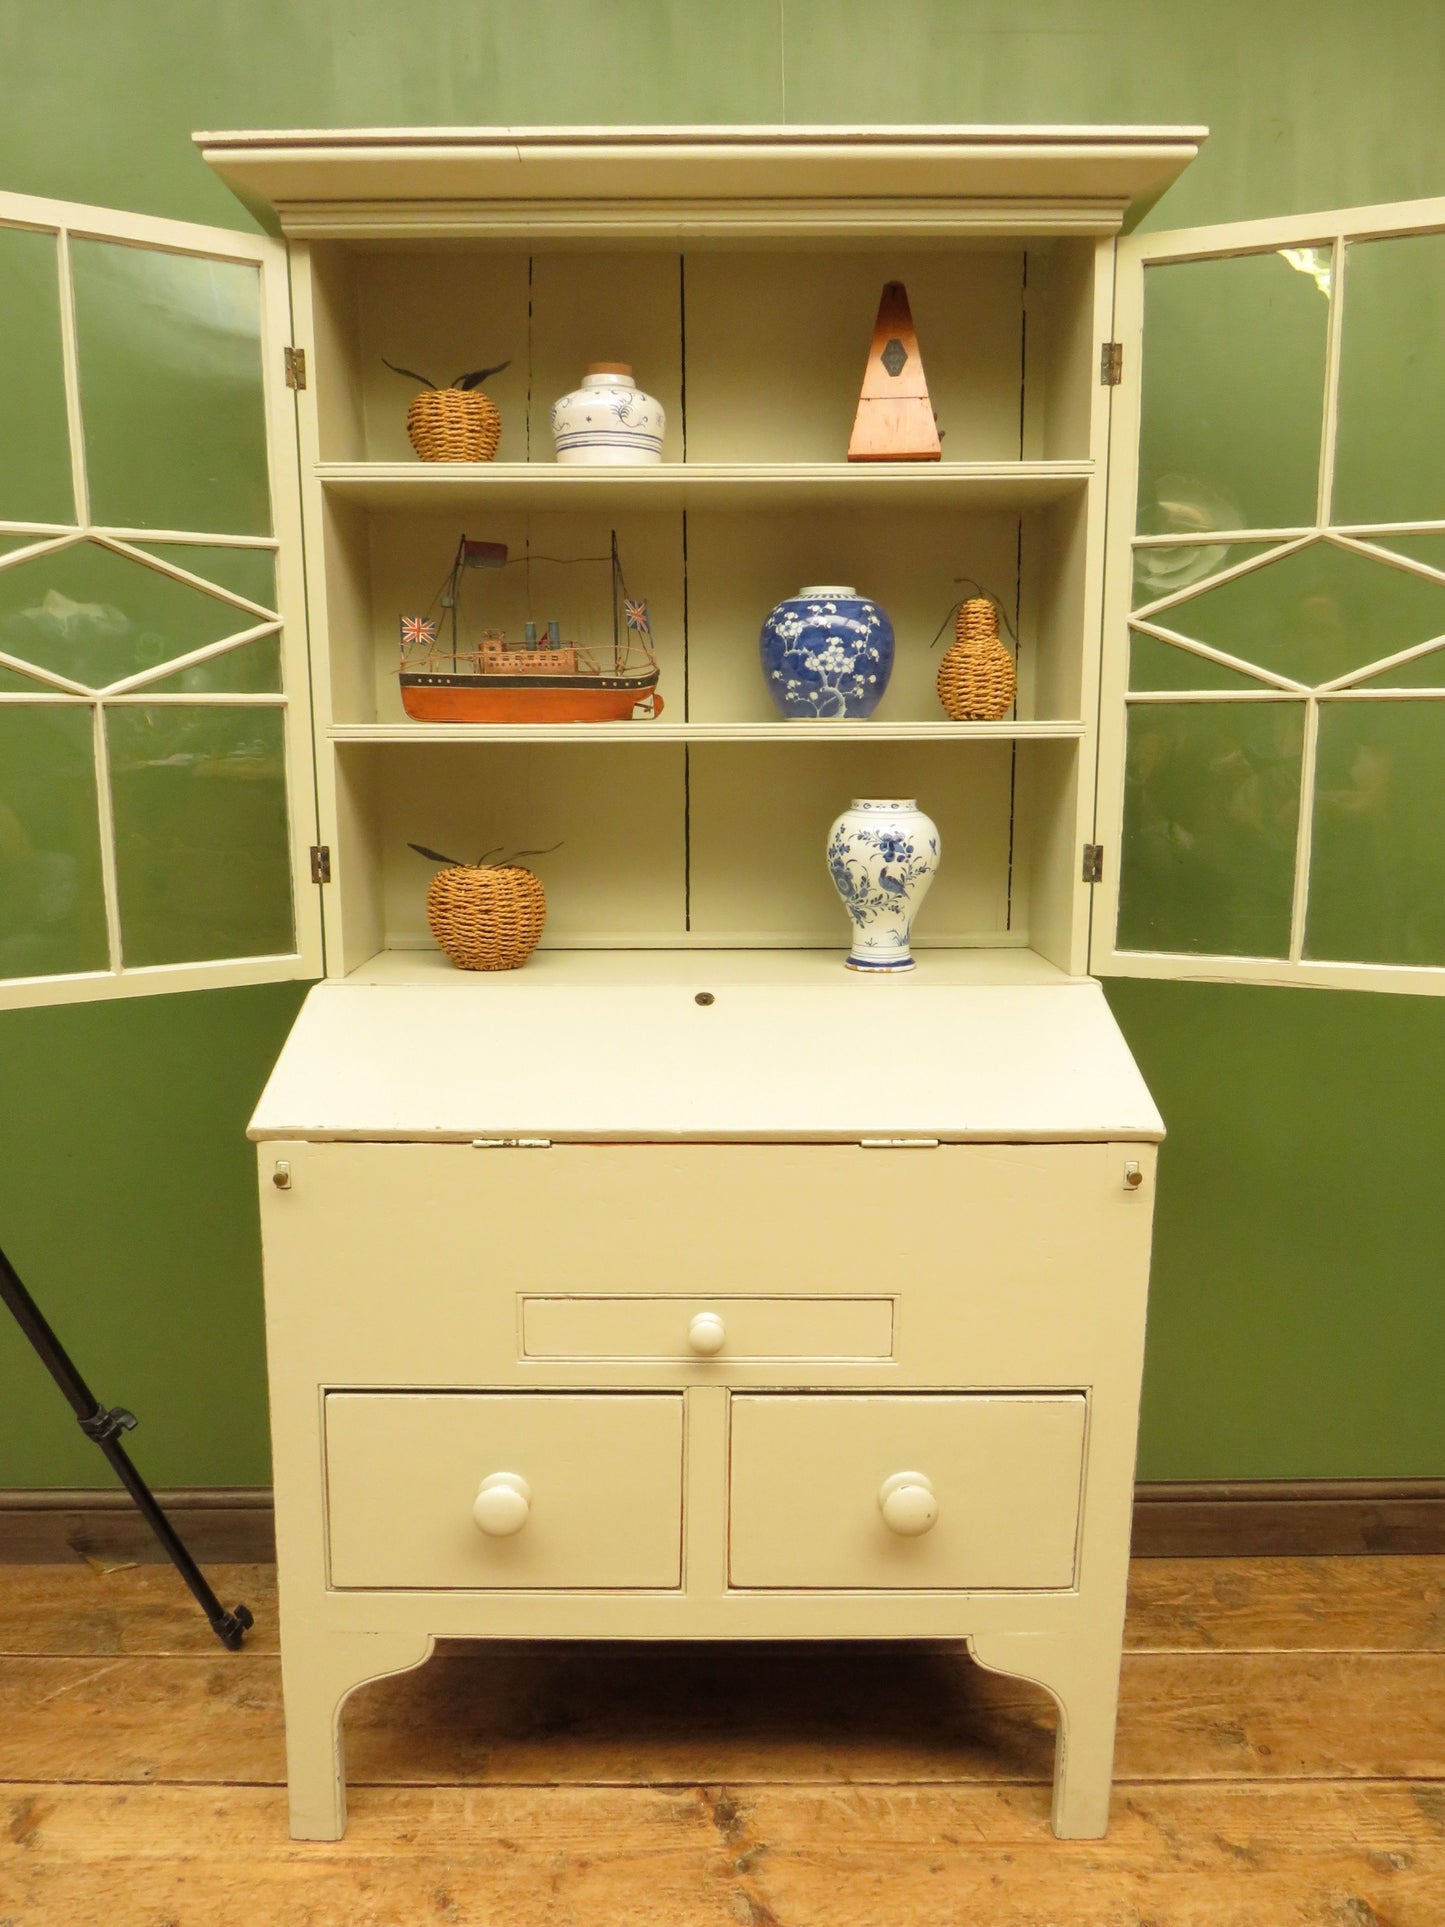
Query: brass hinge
(295,367)
(899,1143)
(511,1144)
(320,863)
(1111,363)
(1093,871)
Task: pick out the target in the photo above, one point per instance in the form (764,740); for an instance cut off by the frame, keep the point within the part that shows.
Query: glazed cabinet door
(1272,734)
(156,760)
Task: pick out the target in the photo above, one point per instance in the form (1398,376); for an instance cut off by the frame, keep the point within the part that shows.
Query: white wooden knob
(908,1504)
(503,1504)
(707,1334)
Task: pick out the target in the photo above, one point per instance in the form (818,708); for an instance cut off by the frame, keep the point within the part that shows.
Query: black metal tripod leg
(104,1426)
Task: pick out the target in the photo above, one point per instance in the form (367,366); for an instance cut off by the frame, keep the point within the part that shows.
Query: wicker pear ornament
(977,681)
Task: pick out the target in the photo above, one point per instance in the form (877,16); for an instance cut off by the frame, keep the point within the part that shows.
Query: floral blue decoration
(827,654)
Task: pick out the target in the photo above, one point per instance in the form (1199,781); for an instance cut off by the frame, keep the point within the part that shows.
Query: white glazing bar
(1304,837)
(1246,567)
(1220,656)
(1395,561)
(160,672)
(110,885)
(1332,382)
(178,574)
(1203,540)
(207,699)
(1368,529)
(1215,696)
(23,668)
(1379,695)
(32,549)
(1380,667)
(70,362)
(1411,979)
(208,539)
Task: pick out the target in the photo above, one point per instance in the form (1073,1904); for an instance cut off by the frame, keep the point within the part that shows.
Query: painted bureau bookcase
(681,1284)
(684,1285)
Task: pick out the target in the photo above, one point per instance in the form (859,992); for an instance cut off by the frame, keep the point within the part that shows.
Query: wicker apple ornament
(455,424)
(485,915)
(977,681)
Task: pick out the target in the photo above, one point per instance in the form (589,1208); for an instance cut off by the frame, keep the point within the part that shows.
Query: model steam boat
(494,679)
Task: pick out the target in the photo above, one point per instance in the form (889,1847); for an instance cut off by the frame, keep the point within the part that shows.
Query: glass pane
(32,384)
(1425,671)
(247,572)
(1392,395)
(1315,614)
(1180,565)
(1429,549)
(1211,814)
(1233,401)
(253,669)
(202,851)
(1159,665)
(170,389)
(1377,868)
(96,616)
(52,910)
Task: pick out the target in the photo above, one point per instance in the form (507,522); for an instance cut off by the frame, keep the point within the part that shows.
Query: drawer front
(1011,1265)
(808,1475)
(717,1327)
(599,1504)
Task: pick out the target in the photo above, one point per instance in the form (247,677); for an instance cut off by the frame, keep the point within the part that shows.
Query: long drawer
(905,1493)
(720,1327)
(581,1491)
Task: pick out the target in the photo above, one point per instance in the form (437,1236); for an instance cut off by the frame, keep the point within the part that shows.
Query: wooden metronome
(895,420)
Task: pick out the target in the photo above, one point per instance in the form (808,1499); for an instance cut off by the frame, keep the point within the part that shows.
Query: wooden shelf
(685,963)
(663,732)
(544,485)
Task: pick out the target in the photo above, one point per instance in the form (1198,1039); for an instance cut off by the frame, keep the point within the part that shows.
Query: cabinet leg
(320,1670)
(1082,1679)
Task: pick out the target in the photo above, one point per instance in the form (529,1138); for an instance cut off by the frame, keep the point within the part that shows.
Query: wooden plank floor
(1281,1763)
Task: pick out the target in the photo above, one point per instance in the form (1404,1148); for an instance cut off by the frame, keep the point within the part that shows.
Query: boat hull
(527,699)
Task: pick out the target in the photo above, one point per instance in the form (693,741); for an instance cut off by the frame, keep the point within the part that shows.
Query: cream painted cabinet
(683,1285)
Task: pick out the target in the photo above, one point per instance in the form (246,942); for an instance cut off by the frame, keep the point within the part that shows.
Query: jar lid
(621,368)
(826,591)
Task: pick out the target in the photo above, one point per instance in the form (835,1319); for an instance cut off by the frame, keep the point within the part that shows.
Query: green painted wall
(1298,1327)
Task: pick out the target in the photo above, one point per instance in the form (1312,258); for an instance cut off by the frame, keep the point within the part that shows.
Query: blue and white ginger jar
(882,856)
(827,654)
(608,419)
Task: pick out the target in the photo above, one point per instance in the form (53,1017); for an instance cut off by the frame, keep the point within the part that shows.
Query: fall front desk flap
(664,1046)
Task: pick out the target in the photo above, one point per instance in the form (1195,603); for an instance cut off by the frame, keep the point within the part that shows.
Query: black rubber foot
(231,1628)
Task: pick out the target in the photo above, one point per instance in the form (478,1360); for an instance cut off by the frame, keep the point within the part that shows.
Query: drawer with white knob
(719,1327)
(974,1491)
(489,1491)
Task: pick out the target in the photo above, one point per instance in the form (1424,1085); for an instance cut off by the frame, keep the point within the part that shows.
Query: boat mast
(454,594)
(616,592)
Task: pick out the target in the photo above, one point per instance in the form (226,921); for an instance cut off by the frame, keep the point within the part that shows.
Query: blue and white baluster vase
(882,856)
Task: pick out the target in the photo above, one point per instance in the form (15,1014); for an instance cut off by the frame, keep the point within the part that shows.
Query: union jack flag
(636,614)
(417,629)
